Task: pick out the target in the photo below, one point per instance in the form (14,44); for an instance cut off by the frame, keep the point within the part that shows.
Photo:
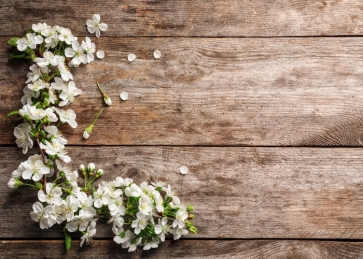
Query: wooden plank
(264,92)
(190,18)
(251,249)
(237,192)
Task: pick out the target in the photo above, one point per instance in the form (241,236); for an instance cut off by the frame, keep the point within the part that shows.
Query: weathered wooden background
(262,100)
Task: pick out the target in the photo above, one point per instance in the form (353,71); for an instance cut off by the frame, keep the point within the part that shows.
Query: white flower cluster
(50,83)
(140,215)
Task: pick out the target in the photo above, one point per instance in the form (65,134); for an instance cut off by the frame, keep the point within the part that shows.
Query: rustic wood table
(261,100)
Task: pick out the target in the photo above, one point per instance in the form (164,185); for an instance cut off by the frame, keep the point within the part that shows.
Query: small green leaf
(68,241)
(13,41)
(17,54)
(12,113)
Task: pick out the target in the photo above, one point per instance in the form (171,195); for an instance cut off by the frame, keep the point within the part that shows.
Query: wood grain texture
(190,18)
(193,249)
(264,92)
(237,192)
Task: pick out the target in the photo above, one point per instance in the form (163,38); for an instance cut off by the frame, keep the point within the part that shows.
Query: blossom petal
(124,96)
(37,207)
(103,26)
(117,239)
(69,52)
(96,18)
(90,23)
(100,54)
(91,29)
(157,54)
(131,57)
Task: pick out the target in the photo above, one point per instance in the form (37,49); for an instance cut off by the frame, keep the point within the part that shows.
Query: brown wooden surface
(257,92)
(212,249)
(238,192)
(191,18)
(232,74)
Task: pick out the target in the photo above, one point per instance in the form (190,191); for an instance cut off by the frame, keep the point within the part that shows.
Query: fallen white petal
(100,54)
(183,169)
(131,57)
(124,96)
(157,54)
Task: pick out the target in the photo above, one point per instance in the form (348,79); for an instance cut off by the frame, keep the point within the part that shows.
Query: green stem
(26,184)
(99,87)
(98,115)
(56,180)
(85,180)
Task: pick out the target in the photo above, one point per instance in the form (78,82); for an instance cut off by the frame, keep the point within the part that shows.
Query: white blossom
(140,222)
(69,92)
(34,168)
(145,205)
(71,205)
(28,96)
(90,232)
(86,205)
(52,195)
(150,245)
(34,74)
(80,222)
(65,74)
(76,53)
(67,116)
(178,232)
(180,217)
(89,48)
(38,85)
(39,27)
(47,59)
(54,132)
(45,216)
(30,40)
(162,228)
(65,34)
(133,190)
(23,138)
(101,196)
(55,148)
(95,25)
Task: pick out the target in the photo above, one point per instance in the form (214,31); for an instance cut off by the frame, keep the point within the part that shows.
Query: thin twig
(44,177)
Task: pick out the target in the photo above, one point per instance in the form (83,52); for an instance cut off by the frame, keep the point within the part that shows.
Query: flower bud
(14,183)
(46,103)
(87,132)
(190,208)
(193,229)
(91,167)
(62,174)
(99,173)
(191,216)
(38,186)
(107,99)
(82,168)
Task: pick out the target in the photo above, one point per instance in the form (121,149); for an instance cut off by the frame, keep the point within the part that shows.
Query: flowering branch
(141,215)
